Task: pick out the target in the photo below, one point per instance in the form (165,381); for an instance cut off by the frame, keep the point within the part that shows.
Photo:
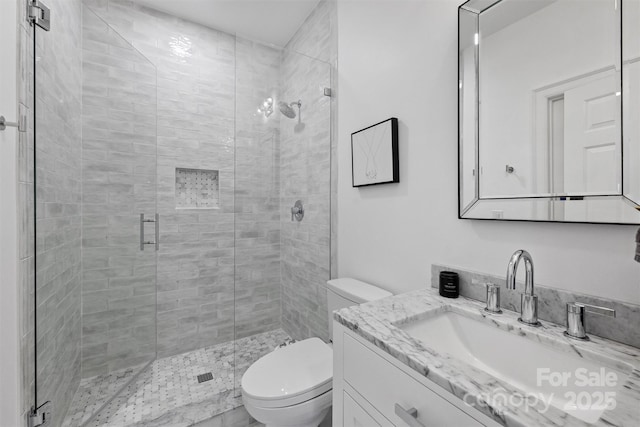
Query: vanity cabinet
(355,415)
(371,388)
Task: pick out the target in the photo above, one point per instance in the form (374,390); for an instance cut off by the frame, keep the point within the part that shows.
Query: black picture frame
(376,153)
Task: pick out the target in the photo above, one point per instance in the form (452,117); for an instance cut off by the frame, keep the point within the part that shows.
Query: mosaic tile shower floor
(167,393)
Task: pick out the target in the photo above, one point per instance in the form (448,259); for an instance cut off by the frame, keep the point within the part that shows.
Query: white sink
(531,367)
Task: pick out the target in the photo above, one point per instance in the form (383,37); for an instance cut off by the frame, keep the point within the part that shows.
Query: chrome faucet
(528,300)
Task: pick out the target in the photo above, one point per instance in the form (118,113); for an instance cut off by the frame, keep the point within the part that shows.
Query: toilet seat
(291,375)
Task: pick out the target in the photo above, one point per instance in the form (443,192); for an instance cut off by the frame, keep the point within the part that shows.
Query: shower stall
(162,168)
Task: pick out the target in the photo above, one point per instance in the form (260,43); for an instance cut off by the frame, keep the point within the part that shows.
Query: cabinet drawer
(355,415)
(384,385)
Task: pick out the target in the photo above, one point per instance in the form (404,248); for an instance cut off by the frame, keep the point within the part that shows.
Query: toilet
(292,386)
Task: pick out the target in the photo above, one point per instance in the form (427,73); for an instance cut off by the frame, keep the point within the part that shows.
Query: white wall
(399,58)
(9,356)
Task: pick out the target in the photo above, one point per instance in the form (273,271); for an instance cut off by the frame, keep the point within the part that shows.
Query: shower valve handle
(297,211)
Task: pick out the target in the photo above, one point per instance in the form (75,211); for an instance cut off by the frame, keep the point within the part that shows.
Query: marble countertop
(379,322)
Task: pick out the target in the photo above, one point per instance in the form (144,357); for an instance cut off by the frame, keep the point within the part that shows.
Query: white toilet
(292,386)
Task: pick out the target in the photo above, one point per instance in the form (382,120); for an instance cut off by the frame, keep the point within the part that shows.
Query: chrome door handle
(409,416)
(4,124)
(157,232)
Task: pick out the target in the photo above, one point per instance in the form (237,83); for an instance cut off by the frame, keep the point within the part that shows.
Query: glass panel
(58,199)
(305,163)
(283,147)
(96,210)
(118,192)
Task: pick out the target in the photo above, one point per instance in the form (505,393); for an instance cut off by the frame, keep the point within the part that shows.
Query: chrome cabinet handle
(143,242)
(409,416)
(575,318)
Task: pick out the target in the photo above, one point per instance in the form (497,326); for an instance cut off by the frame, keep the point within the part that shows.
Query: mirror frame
(621,201)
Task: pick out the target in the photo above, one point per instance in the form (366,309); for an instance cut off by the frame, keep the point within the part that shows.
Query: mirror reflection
(541,102)
(550,99)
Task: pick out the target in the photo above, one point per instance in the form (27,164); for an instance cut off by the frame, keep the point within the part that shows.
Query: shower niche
(197,189)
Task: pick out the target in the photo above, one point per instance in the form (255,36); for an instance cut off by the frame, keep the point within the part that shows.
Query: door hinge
(40,416)
(39,14)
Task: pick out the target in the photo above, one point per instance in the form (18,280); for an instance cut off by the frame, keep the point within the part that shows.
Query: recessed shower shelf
(197,189)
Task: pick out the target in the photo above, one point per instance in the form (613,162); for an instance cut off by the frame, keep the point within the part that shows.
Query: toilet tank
(346,292)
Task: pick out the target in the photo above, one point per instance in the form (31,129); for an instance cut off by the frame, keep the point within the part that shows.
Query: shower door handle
(143,242)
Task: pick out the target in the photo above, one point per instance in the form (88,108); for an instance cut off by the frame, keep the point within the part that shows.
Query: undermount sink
(545,375)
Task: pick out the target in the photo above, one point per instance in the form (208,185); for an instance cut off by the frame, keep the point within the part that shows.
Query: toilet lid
(290,371)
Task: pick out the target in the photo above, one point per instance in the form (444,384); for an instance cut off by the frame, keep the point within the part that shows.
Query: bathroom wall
(58,189)
(305,173)
(391,234)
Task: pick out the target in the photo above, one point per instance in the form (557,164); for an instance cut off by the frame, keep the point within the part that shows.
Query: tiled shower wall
(305,173)
(58,191)
(197,94)
(118,183)
(257,230)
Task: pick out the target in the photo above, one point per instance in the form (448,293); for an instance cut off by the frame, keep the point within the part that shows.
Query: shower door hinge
(327,91)
(38,14)
(40,416)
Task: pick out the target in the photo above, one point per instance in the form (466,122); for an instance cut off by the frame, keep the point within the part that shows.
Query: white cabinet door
(354,415)
(384,385)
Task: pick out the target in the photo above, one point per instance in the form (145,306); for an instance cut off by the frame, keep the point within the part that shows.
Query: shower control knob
(297,211)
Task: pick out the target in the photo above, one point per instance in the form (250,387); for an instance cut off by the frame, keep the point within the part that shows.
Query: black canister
(449,285)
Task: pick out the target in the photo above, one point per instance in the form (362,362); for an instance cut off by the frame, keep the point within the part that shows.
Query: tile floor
(94,392)
(167,393)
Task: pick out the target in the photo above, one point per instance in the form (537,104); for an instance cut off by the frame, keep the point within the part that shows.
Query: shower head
(287,109)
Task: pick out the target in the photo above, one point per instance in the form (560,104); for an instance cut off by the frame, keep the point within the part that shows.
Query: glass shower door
(96,222)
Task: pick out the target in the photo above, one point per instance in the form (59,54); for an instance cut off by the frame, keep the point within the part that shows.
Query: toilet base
(305,414)
(315,423)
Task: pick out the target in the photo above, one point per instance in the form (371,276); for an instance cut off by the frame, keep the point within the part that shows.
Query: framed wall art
(374,154)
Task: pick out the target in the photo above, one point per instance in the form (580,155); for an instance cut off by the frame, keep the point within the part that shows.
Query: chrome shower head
(287,109)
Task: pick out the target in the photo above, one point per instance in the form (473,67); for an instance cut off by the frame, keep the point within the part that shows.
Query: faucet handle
(493,298)
(297,211)
(575,318)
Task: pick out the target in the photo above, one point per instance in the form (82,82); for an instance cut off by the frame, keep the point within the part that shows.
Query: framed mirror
(549,110)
